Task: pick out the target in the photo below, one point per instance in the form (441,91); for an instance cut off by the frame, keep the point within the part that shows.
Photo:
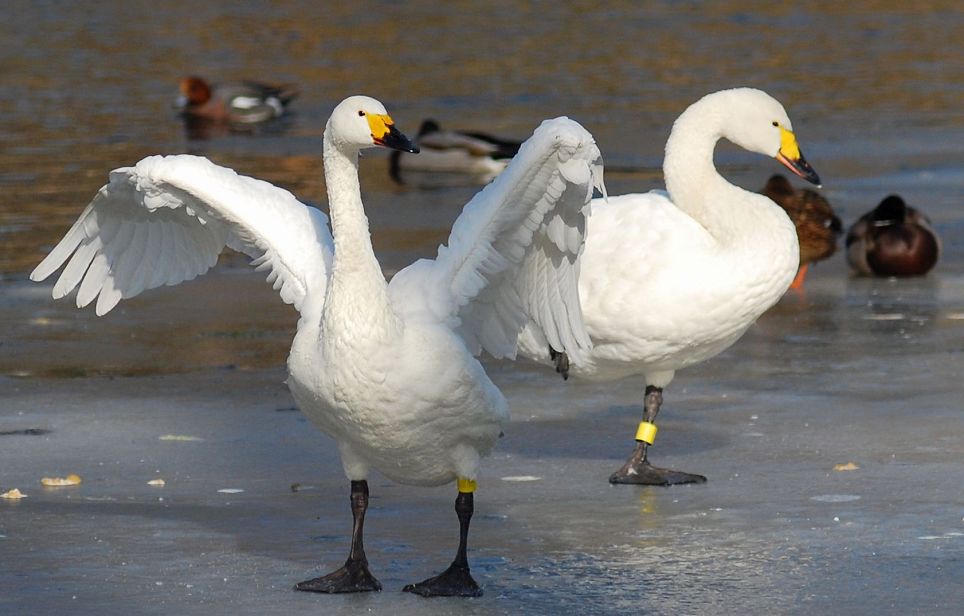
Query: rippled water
(874,94)
(88,86)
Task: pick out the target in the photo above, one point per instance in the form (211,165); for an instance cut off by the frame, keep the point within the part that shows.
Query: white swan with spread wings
(388,370)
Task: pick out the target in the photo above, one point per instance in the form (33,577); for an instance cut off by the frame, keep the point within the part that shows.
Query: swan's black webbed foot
(456,581)
(353,577)
(637,470)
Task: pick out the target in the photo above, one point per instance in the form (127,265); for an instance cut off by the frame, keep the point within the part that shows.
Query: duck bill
(792,158)
(386,135)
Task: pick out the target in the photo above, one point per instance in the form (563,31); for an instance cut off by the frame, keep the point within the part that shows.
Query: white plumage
(670,279)
(388,370)
(166,220)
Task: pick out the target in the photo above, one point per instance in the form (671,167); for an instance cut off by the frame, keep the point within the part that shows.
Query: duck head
(195,91)
(892,210)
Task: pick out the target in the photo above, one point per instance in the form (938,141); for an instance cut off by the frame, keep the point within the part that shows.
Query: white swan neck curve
(693,182)
(748,228)
(688,163)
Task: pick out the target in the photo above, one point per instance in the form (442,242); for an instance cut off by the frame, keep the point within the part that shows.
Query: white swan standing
(670,280)
(388,370)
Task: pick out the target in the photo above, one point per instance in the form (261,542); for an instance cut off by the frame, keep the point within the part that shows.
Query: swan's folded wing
(166,220)
(513,253)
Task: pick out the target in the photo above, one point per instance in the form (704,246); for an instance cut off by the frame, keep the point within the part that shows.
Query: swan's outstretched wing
(166,220)
(513,253)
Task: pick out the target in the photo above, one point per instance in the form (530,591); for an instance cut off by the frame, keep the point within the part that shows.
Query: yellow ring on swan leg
(646,432)
(466,485)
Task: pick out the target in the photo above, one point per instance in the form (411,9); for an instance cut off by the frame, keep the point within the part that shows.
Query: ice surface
(812,385)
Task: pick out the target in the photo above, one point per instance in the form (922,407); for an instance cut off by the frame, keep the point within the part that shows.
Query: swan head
(759,123)
(362,122)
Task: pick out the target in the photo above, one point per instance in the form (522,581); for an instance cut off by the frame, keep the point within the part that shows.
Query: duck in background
(231,104)
(817,226)
(893,239)
(470,153)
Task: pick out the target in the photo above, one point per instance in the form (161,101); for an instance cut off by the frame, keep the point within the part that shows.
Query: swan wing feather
(166,219)
(513,253)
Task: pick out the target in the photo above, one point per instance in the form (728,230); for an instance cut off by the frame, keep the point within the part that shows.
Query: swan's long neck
(357,291)
(750,230)
(692,180)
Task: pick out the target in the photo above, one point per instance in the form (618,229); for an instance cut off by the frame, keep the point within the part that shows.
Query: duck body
(893,239)
(241,102)
(471,153)
(818,227)
(671,279)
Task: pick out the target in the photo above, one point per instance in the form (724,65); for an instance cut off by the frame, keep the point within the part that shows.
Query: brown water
(874,90)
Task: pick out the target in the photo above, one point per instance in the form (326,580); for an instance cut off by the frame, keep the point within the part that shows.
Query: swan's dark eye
(362,114)
(775,123)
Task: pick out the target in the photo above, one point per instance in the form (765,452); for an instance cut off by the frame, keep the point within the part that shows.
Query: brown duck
(817,226)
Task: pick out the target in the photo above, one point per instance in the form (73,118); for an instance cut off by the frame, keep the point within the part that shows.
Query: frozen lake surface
(854,371)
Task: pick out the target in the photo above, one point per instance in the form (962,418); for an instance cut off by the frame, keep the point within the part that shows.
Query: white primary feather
(513,253)
(166,220)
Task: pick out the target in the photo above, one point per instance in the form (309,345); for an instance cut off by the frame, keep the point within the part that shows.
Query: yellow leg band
(646,432)
(466,485)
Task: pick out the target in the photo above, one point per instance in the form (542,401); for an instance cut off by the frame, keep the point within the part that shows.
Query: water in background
(874,90)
